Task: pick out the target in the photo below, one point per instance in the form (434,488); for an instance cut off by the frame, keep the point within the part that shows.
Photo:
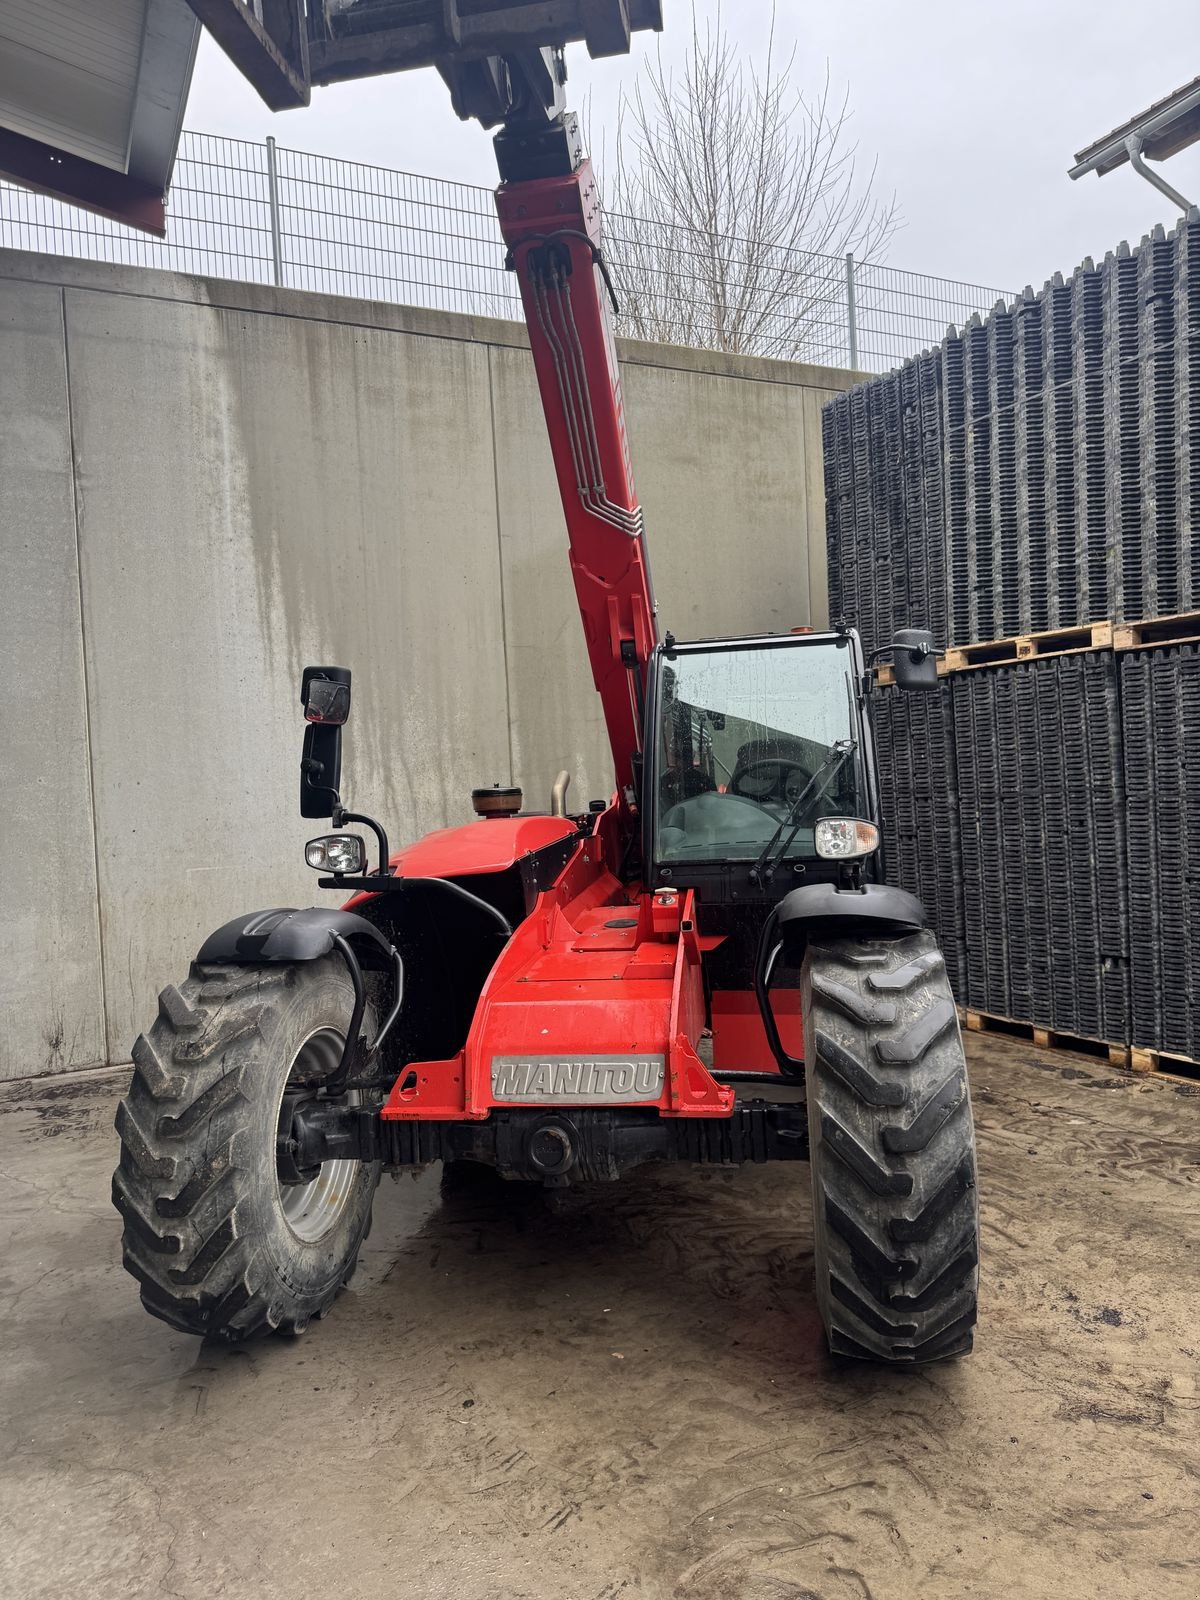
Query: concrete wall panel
(50,986)
(722,472)
(556,718)
(257,493)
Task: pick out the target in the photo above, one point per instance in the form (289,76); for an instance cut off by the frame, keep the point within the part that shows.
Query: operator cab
(754,742)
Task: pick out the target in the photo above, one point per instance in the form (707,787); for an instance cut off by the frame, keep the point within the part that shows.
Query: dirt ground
(625,1396)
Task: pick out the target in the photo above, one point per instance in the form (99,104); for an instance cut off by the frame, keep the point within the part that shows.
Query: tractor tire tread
(892,1151)
(184,1157)
(854,1073)
(846,998)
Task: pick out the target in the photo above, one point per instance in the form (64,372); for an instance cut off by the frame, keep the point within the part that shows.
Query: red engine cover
(490,845)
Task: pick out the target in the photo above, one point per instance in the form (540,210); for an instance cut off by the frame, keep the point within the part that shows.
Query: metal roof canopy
(92,91)
(92,98)
(1162,130)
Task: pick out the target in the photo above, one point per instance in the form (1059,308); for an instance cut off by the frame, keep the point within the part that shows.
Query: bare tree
(732,202)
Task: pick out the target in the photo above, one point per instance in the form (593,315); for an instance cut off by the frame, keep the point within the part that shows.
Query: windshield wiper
(763,869)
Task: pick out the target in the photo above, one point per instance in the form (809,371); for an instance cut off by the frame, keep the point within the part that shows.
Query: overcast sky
(973,112)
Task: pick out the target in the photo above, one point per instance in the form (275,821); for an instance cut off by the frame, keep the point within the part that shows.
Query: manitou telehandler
(705,967)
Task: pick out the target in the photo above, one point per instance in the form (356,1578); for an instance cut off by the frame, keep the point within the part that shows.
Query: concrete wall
(205,485)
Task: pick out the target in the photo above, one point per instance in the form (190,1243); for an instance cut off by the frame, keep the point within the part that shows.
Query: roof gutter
(1133,145)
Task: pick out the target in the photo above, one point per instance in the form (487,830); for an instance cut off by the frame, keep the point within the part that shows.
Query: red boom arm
(552,227)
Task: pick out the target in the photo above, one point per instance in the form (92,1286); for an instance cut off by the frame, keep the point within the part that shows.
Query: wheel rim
(312,1210)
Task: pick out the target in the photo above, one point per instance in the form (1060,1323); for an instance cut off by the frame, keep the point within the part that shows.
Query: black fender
(878,909)
(285,935)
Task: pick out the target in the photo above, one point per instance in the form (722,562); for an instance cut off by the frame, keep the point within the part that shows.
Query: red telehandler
(706,967)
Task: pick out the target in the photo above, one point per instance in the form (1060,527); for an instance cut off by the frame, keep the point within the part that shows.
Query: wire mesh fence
(263,213)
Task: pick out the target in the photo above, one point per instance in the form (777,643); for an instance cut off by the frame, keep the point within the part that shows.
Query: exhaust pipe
(558,795)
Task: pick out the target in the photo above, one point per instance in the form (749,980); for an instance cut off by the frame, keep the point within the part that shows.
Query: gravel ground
(625,1395)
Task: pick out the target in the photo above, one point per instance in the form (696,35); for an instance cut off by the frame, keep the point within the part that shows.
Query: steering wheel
(771,775)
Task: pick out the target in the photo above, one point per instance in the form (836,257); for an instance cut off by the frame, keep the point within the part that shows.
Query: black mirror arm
(918,652)
(341,817)
(314,769)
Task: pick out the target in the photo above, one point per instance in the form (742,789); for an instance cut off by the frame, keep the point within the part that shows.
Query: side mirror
(325,694)
(914,659)
(320,770)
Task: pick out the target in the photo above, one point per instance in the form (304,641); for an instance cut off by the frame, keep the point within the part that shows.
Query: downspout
(1133,146)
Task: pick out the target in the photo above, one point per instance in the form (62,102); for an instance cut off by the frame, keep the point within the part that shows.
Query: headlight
(336,852)
(844,838)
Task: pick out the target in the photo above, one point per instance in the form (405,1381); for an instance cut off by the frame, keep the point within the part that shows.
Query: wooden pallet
(1117,1055)
(1130,1058)
(1162,1061)
(1029,647)
(1020,647)
(1182,628)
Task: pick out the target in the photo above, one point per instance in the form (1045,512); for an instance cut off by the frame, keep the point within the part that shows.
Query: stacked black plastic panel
(885,503)
(959,572)
(1005,610)
(1003,811)
(1161,719)
(1123,492)
(1187,400)
(1106,789)
(927,527)
(1041,828)
(1060,488)
(1030,557)
(922,852)
(1039,471)
(1048,815)
(1083,584)
(978,780)
(1160,692)
(1094,947)
(1162,582)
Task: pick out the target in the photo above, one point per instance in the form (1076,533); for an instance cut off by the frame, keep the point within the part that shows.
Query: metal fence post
(273,197)
(851,313)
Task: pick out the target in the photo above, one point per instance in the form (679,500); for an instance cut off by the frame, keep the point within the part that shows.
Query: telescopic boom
(552,224)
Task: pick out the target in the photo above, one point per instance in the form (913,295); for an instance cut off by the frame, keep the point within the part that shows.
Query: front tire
(892,1144)
(221,1244)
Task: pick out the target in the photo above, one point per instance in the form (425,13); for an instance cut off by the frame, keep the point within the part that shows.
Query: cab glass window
(750,739)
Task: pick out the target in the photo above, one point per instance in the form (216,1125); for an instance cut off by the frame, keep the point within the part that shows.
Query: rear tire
(892,1143)
(220,1247)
